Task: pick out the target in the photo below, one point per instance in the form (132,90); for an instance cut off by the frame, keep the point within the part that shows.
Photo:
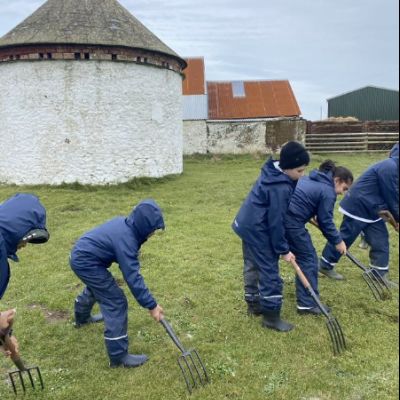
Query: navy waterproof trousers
(262,282)
(301,246)
(376,235)
(102,287)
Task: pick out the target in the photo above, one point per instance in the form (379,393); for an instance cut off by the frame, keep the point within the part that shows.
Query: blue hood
(259,221)
(322,177)
(19,215)
(145,218)
(271,174)
(394,153)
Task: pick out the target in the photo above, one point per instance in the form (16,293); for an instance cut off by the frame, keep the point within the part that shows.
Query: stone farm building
(237,116)
(88,94)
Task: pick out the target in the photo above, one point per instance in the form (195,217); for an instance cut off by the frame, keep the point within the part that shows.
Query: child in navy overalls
(314,197)
(259,223)
(375,190)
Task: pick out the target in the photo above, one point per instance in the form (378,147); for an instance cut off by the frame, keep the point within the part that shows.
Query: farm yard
(194,270)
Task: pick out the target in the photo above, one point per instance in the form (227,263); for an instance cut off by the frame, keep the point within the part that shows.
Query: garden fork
(379,288)
(376,284)
(334,329)
(16,376)
(193,370)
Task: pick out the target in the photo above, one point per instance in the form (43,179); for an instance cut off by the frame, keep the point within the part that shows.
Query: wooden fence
(350,142)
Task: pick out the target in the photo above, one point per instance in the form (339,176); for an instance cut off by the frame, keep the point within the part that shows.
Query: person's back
(265,202)
(117,240)
(101,243)
(314,196)
(377,189)
(310,192)
(374,190)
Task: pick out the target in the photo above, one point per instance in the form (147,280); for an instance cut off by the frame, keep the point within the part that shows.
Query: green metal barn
(366,104)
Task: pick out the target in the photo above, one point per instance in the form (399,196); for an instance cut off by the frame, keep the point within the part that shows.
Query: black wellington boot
(272,320)
(129,361)
(80,320)
(254,308)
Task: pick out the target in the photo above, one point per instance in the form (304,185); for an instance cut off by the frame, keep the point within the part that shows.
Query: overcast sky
(323,47)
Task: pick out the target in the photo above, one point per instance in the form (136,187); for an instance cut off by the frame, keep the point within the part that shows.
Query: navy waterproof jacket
(375,190)
(260,218)
(119,240)
(314,196)
(18,215)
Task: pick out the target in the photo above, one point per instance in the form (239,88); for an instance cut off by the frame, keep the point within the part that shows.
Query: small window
(41,56)
(138,59)
(238,89)
(113,56)
(77,56)
(87,56)
(49,56)
(145,60)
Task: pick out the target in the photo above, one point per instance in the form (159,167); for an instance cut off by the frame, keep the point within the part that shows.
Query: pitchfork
(334,329)
(193,370)
(18,374)
(379,288)
(376,284)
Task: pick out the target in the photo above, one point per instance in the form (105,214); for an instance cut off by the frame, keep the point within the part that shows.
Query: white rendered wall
(92,122)
(194,137)
(241,137)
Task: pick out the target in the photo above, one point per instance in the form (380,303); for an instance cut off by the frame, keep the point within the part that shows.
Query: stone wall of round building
(93,122)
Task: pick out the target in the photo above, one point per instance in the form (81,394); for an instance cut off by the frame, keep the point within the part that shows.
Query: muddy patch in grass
(51,316)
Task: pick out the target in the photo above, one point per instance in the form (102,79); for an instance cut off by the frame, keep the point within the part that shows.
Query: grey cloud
(323,47)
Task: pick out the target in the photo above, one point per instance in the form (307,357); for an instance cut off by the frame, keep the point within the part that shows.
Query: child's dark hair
(343,173)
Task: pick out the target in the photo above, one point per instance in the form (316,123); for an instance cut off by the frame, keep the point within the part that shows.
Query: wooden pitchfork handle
(309,288)
(387,216)
(314,222)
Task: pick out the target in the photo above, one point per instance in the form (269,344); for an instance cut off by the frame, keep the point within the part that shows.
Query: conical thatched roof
(94,22)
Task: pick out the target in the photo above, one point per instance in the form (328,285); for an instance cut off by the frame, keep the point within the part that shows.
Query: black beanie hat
(293,155)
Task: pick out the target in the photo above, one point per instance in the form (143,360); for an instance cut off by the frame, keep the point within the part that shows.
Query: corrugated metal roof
(367,104)
(194,82)
(262,99)
(95,22)
(361,89)
(195,107)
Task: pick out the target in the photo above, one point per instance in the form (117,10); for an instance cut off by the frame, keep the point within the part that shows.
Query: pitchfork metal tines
(23,377)
(193,370)
(26,377)
(377,285)
(335,331)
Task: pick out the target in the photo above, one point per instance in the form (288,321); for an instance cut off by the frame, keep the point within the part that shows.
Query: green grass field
(194,271)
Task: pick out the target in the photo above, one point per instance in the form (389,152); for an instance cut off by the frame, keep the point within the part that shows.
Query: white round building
(88,95)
